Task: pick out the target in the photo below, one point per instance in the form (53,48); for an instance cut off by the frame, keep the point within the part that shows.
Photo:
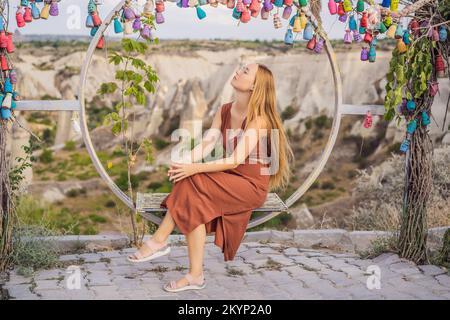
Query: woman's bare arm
(209,140)
(256,129)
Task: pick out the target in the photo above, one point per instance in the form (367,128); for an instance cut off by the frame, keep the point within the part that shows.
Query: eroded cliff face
(194,83)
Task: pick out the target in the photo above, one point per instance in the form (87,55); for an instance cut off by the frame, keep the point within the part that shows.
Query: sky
(180,23)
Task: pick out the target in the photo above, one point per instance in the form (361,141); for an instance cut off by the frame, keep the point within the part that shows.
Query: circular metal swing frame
(338,112)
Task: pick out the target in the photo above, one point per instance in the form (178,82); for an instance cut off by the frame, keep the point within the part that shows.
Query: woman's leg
(161,234)
(196,247)
(165,228)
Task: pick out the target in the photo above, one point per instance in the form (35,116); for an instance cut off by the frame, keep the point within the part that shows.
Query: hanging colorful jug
(406,37)
(19,18)
(128,13)
(96,19)
(401,46)
(289,37)
(117,26)
(434,88)
(411,127)
(319,46)
(54,11)
(27,15)
(287,12)
(348,37)
(311,43)
(308,32)
(363,22)
(440,66)
(442,34)
(45,11)
(410,105)
(414,26)
(159,17)
(239,6)
(368,37)
(360,6)
(332,7)
(278,3)
(398,32)
(364,54)
(386,3)
(13,76)
(4,63)
(303,20)
(201,14)
(297,25)
(347,4)
(277,21)
(357,36)
(268,6)
(352,23)
(100,43)
(10,45)
(387,21)
(35,11)
(89,21)
(303,3)
(404,147)
(128,27)
(254,8)
(425,118)
(159,6)
(390,33)
(146,32)
(340,9)
(236,14)
(148,8)
(137,25)
(368,120)
(264,14)
(372,54)
(245,16)
(382,27)
(394,5)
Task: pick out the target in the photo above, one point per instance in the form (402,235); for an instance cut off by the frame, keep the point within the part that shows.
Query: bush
(288,113)
(31,251)
(46,156)
(70,145)
(381,192)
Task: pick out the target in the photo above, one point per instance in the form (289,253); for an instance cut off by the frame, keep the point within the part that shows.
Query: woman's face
(244,77)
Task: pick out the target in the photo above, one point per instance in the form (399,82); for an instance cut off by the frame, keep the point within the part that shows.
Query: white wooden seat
(150,202)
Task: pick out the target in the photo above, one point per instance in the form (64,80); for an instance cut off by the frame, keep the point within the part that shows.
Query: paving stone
(271,271)
(18,291)
(444,280)
(431,270)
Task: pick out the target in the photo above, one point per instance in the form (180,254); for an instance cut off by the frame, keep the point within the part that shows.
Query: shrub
(70,145)
(382,190)
(46,156)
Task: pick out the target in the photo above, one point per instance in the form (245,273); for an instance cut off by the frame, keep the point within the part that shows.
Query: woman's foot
(188,282)
(149,250)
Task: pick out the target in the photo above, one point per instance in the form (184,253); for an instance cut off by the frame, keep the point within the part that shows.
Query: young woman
(219,196)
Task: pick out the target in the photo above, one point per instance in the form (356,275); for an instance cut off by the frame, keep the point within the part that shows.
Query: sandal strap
(194,281)
(151,244)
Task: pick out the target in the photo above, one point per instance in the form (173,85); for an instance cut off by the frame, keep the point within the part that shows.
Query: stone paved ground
(259,271)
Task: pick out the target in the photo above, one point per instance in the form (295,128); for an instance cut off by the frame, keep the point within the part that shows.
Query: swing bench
(149,203)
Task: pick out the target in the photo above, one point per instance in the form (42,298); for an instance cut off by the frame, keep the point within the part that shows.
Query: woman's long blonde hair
(263,104)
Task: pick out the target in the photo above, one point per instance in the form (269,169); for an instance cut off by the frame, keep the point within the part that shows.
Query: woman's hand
(179,171)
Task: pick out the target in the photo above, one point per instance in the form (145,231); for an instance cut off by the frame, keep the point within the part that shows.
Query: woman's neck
(241,102)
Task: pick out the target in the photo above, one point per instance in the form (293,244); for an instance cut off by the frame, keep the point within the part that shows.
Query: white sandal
(193,284)
(155,253)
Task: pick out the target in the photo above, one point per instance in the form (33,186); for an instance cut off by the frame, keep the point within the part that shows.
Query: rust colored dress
(222,200)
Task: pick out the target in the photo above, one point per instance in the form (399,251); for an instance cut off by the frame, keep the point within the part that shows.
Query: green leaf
(107,88)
